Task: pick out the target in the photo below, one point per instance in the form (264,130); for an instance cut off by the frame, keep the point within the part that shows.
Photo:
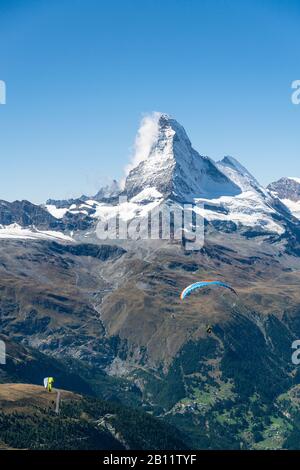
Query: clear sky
(81,73)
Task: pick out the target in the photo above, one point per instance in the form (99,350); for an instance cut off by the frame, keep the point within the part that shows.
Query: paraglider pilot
(48,383)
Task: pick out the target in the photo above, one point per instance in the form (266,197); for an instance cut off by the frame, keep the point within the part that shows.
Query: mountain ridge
(168,170)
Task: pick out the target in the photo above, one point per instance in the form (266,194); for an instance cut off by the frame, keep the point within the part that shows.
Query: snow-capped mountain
(229,193)
(176,170)
(253,207)
(288,191)
(169,169)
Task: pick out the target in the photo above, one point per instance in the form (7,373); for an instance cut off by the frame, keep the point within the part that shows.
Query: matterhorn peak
(168,126)
(167,162)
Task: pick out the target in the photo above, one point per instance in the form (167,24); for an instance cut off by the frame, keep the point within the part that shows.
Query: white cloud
(146,136)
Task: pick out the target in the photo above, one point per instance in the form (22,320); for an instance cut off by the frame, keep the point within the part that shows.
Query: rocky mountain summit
(288,190)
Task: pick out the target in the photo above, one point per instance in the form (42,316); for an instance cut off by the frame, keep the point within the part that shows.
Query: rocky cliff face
(288,190)
(26,214)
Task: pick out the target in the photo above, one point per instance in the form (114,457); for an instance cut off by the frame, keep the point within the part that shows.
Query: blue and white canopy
(198,285)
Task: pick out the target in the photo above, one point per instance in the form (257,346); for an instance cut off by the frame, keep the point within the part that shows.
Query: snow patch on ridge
(56,212)
(147,195)
(294,207)
(18,232)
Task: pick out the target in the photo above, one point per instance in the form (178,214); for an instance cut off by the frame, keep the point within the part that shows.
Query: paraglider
(48,383)
(198,285)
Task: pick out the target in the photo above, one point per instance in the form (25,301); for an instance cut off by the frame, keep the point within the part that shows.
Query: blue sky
(81,73)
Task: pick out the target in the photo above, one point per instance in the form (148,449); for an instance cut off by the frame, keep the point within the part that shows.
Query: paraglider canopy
(198,285)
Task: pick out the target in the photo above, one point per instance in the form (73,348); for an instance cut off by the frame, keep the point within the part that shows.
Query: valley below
(108,322)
